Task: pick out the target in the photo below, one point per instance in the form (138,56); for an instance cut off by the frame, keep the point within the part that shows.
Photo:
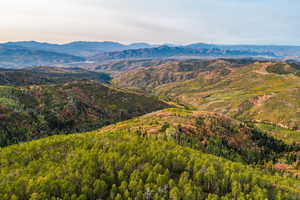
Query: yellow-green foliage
(249,93)
(209,132)
(287,135)
(116,165)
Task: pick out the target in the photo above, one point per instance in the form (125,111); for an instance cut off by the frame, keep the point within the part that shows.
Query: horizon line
(149,43)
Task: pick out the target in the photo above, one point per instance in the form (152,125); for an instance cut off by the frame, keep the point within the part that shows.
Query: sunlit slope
(174,71)
(209,132)
(122,165)
(250,93)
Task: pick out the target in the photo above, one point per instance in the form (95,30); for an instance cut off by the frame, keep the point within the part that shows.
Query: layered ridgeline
(125,65)
(31,53)
(17,57)
(36,111)
(116,163)
(167,52)
(118,66)
(48,75)
(157,75)
(263,91)
(77,48)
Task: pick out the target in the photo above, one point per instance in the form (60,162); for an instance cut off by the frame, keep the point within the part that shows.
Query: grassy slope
(172,72)
(125,65)
(246,93)
(31,112)
(114,165)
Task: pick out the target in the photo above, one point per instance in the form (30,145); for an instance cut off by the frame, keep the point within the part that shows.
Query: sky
(152,21)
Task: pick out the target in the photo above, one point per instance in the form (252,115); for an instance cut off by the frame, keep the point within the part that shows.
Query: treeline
(13,135)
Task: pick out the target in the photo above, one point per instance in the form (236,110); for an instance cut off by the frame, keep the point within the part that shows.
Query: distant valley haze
(60,32)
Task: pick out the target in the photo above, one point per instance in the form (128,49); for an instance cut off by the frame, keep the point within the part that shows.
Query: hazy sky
(155,21)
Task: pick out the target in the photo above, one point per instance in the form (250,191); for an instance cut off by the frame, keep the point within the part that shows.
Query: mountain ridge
(34,105)
(169,52)
(22,57)
(30,53)
(48,75)
(254,91)
(78,48)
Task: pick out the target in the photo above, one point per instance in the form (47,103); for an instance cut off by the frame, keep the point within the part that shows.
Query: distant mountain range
(32,53)
(48,75)
(167,51)
(15,57)
(279,50)
(79,48)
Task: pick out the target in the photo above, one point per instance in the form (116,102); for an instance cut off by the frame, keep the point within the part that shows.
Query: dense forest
(48,75)
(125,166)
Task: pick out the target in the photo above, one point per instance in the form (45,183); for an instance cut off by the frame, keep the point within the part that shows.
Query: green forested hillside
(36,111)
(209,132)
(48,75)
(116,165)
(233,137)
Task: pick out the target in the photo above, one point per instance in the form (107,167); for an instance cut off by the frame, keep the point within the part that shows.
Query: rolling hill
(209,150)
(174,71)
(167,52)
(48,75)
(206,131)
(36,111)
(263,91)
(118,164)
(120,66)
(234,137)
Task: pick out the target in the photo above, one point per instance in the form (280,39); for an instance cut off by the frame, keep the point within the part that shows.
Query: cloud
(157,21)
